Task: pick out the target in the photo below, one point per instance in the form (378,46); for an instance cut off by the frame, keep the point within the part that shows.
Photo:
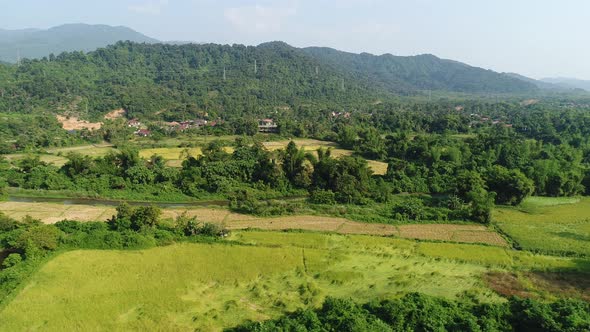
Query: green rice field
(255,275)
(552,225)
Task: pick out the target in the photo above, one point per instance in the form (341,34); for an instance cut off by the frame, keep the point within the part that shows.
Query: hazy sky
(535,38)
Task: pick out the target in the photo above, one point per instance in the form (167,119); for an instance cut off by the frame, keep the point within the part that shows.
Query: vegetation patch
(545,285)
(557,226)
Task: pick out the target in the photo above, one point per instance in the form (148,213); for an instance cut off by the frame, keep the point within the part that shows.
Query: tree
(511,186)
(481,203)
(145,217)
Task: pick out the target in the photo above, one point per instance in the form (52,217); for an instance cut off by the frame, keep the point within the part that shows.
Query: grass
(214,286)
(551,225)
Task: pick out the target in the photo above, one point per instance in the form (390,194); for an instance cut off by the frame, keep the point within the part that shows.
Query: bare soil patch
(456,233)
(506,284)
(115,114)
(540,284)
(73,123)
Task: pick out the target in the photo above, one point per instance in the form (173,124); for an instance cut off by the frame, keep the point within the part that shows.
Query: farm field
(52,212)
(174,154)
(56,156)
(553,225)
(214,286)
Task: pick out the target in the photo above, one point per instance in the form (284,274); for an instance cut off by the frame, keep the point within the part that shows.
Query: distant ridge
(405,74)
(570,83)
(36,43)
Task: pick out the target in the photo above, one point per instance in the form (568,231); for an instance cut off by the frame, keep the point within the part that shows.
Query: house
(200,123)
(143,133)
(133,123)
(267,126)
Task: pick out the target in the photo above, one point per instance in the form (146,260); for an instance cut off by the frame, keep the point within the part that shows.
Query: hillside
(149,79)
(423,72)
(35,43)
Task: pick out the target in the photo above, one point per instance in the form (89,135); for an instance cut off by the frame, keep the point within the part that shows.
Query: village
(264,126)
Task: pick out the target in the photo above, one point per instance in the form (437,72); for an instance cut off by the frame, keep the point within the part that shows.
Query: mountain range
(400,75)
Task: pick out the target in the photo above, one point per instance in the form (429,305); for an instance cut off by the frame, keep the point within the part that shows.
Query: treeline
(417,312)
(25,244)
(512,165)
(250,174)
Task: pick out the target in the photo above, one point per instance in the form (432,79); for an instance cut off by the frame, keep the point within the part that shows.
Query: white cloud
(258,18)
(149,7)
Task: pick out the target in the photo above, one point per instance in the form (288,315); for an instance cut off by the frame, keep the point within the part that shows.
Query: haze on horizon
(535,38)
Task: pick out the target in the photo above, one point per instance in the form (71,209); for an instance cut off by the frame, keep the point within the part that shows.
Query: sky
(542,38)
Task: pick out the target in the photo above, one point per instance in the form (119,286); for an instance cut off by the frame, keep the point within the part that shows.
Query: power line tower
(224,73)
(255,67)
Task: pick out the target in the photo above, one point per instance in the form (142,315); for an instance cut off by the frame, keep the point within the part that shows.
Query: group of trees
(421,313)
(251,173)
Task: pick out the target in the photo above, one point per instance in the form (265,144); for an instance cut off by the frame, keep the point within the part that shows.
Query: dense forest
(416,312)
(423,72)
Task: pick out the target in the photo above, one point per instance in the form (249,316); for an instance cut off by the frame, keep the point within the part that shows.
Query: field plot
(378,167)
(552,225)
(175,156)
(57,156)
(51,213)
(95,150)
(209,287)
(214,286)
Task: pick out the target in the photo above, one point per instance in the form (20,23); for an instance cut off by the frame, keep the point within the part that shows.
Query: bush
(322,197)
(12,260)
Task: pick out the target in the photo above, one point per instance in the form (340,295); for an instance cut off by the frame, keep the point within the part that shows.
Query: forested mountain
(159,79)
(35,43)
(151,78)
(405,74)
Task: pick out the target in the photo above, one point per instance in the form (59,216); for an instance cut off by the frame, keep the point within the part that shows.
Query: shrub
(12,260)
(322,197)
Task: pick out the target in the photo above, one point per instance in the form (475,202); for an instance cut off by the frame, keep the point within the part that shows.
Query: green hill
(406,74)
(150,79)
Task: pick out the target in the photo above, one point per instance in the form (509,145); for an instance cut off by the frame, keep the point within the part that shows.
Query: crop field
(174,154)
(52,212)
(56,156)
(214,286)
(378,167)
(551,225)
(95,150)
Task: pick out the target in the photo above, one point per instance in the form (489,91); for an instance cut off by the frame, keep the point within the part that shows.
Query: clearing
(73,123)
